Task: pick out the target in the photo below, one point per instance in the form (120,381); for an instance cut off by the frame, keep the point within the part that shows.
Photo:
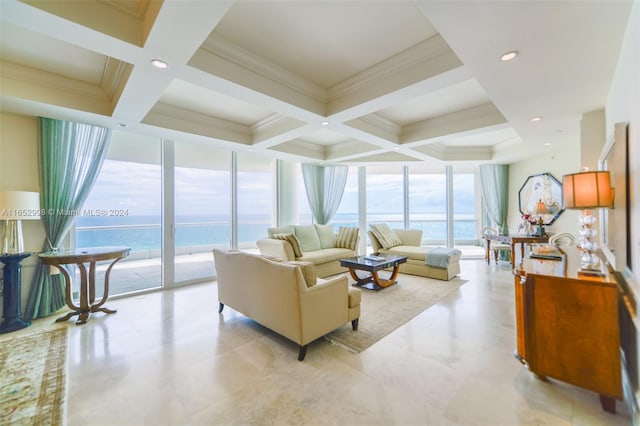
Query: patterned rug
(383,311)
(33,378)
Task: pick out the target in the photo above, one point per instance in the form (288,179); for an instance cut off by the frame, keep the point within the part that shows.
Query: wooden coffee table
(373,281)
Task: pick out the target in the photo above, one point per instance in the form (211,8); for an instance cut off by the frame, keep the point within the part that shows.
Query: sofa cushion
(308,271)
(347,237)
(308,237)
(412,252)
(293,240)
(385,235)
(326,235)
(280,230)
(326,255)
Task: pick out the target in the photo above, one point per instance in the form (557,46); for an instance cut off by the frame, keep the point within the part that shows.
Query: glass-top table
(373,264)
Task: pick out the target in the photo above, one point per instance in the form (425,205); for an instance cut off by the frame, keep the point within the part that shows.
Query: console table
(79,257)
(567,325)
(513,240)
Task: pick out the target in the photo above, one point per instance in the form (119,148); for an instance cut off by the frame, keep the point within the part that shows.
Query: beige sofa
(410,246)
(285,297)
(319,244)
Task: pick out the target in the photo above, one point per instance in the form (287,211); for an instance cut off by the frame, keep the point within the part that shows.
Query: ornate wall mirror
(541,196)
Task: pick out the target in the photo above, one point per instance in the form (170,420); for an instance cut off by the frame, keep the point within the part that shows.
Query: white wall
(562,160)
(19,172)
(623,105)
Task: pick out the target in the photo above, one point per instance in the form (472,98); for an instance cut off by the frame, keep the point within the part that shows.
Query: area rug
(33,378)
(383,311)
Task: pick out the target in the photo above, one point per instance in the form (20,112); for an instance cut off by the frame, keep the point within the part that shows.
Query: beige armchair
(278,296)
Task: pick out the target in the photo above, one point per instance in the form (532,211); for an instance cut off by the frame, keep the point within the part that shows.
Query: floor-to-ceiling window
(347,213)
(465,212)
(385,195)
(255,192)
(125,209)
(202,206)
(428,203)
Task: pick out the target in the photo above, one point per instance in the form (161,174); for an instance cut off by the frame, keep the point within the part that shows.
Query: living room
(578,122)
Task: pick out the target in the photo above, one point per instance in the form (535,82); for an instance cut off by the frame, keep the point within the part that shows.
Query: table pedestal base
(87,303)
(84,315)
(373,281)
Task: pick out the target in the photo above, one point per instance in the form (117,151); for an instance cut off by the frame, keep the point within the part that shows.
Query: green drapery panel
(324,186)
(70,156)
(494,180)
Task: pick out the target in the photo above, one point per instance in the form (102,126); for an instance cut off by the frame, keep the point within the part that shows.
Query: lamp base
(12,241)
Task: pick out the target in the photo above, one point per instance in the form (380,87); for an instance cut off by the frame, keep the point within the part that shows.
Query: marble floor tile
(168,358)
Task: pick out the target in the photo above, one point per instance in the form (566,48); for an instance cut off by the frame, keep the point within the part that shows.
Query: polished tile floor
(168,358)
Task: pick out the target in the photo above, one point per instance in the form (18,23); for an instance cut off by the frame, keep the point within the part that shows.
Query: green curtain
(70,157)
(494,180)
(324,186)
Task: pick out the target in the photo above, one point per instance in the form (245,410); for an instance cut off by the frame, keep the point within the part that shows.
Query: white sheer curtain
(324,186)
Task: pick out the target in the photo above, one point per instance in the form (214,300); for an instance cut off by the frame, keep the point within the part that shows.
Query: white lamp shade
(586,190)
(19,205)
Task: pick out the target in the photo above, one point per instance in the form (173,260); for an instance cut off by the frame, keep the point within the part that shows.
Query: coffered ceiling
(322,81)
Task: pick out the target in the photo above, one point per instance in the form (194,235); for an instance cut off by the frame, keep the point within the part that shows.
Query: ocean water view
(144,232)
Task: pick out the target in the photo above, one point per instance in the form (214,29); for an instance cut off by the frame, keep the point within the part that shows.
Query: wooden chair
(496,246)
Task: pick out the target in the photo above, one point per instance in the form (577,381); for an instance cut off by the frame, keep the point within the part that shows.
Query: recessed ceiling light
(395,148)
(325,123)
(535,119)
(509,56)
(122,125)
(159,63)
(547,144)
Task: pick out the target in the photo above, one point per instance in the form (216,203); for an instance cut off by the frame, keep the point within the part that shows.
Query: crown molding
(377,125)
(429,50)
(41,86)
(115,76)
(469,119)
(348,150)
(171,117)
(301,148)
(231,52)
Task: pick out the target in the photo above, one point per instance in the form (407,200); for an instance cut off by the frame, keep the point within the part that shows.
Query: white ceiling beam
(179,30)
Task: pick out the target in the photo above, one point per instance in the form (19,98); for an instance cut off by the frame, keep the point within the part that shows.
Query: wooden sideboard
(567,325)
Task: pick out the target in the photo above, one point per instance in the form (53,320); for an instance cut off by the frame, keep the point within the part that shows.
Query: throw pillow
(385,235)
(297,251)
(308,271)
(326,235)
(308,238)
(280,230)
(347,237)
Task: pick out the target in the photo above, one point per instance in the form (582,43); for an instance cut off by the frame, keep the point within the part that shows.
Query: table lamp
(584,191)
(541,210)
(16,206)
